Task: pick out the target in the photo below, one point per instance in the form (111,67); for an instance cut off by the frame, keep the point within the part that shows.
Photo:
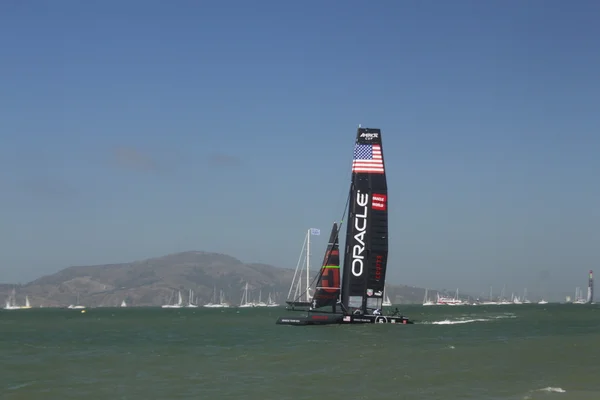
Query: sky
(134,129)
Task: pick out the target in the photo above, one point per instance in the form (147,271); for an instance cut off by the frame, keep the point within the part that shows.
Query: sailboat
(297,295)
(244,303)
(222,301)
(579,297)
(426,300)
(213,303)
(271,302)
(386,301)
(190,303)
(356,296)
(260,303)
(179,303)
(123,303)
(11,302)
(76,306)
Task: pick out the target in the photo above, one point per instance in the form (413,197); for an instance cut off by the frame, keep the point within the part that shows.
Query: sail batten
(366,251)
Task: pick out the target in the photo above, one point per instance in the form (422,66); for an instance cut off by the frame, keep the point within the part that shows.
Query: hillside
(152,282)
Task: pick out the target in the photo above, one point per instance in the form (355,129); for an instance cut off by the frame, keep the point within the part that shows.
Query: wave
(549,389)
(469,319)
(552,389)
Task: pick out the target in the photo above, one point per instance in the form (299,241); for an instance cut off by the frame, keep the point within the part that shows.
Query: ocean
(465,352)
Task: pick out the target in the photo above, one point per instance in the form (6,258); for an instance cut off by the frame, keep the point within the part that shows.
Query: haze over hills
(152,282)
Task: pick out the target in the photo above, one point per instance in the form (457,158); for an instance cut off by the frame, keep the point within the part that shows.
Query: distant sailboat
(386,300)
(426,301)
(271,303)
(11,302)
(123,304)
(579,297)
(76,306)
(179,303)
(191,300)
(490,300)
(299,296)
(244,303)
(260,303)
(213,303)
(222,302)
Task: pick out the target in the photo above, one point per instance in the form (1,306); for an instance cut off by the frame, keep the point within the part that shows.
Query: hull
(339,319)
(293,304)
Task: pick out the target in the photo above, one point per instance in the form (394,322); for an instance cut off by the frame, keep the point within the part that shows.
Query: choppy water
(486,353)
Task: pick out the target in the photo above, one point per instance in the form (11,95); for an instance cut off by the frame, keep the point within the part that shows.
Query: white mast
(308,233)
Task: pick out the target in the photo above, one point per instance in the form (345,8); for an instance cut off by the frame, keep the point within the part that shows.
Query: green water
(493,352)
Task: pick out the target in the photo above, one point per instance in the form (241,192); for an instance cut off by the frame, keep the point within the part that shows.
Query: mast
(590,293)
(366,252)
(307,263)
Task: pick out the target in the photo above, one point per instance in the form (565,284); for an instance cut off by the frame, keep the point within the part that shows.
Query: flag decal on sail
(367,159)
(315,231)
(379,202)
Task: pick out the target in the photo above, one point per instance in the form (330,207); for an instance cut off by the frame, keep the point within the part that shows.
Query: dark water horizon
(462,352)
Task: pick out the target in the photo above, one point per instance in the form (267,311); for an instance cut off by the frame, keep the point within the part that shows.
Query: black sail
(366,249)
(328,285)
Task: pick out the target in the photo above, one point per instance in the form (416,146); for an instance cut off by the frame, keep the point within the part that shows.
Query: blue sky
(133,129)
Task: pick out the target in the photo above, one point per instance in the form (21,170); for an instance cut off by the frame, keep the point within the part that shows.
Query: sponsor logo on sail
(379,293)
(369,292)
(369,135)
(379,202)
(378,267)
(360,227)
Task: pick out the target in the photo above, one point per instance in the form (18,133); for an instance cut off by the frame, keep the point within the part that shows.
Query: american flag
(367,159)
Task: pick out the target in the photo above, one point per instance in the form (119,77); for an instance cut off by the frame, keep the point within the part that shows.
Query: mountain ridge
(152,282)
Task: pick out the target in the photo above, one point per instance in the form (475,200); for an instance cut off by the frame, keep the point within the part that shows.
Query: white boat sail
(299,294)
(123,303)
(386,300)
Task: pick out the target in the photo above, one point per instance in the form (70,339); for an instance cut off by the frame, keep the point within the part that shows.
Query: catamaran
(356,297)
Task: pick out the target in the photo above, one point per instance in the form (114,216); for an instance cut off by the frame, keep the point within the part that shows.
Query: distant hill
(152,282)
